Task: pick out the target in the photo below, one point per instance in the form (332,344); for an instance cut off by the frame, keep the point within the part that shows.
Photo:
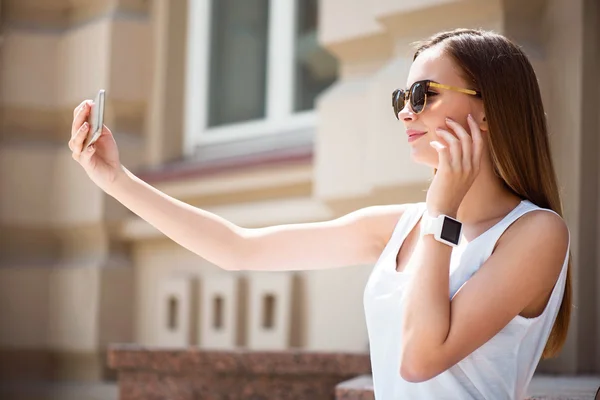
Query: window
(315,69)
(238,58)
(255,68)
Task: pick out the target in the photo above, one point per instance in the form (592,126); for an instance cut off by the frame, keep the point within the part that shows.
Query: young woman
(471,287)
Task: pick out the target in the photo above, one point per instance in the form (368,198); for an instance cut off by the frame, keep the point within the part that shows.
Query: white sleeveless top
(500,369)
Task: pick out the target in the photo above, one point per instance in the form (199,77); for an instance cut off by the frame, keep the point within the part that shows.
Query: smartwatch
(444,229)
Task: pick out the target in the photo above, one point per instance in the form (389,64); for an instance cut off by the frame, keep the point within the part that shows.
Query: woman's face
(435,65)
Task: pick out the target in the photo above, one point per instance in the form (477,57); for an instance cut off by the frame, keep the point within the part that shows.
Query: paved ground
(578,388)
(62,391)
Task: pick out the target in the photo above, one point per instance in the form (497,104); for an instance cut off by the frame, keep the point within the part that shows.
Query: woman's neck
(488,198)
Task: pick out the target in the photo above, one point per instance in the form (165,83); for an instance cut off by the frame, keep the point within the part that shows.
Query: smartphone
(95,119)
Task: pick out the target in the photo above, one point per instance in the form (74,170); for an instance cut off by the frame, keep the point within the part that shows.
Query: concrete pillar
(564,91)
(164,121)
(344,110)
(593,11)
(587,298)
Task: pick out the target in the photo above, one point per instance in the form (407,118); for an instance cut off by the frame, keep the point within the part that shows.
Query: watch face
(451,230)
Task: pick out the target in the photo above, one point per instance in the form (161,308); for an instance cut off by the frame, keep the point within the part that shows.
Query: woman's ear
(483,125)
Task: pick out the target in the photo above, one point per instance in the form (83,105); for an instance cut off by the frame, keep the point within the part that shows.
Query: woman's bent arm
(354,239)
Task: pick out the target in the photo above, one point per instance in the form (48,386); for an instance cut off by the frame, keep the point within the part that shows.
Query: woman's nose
(406,114)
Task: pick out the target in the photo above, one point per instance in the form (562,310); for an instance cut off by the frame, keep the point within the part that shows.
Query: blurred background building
(264,112)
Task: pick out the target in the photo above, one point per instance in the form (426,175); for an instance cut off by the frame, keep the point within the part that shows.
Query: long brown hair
(518,135)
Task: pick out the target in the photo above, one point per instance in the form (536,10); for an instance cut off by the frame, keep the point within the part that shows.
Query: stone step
(542,387)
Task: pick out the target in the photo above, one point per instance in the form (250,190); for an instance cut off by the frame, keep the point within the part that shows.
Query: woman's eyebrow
(418,80)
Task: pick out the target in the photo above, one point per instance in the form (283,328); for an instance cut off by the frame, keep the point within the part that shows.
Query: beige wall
(565,63)
(78,272)
(24,307)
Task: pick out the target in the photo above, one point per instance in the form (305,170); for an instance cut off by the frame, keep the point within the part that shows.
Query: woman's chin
(424,158)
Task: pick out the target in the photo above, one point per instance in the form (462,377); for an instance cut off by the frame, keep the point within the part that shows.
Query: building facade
(263,112)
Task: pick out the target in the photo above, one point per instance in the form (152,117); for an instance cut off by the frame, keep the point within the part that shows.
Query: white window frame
(280,116)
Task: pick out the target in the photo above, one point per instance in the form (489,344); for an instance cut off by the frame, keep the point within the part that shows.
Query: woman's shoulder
(540,225)
(542,219)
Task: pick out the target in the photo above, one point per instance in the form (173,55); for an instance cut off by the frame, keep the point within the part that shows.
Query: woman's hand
(100,160)
(459,162)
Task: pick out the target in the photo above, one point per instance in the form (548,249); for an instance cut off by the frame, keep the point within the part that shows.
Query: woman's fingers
(455,149)
(465,141)
(81,114)
(86,154)
(76,143)
(443,154)
(76,109)
(477,142)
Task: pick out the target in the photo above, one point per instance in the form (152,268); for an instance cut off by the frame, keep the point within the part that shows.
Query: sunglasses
(417,95)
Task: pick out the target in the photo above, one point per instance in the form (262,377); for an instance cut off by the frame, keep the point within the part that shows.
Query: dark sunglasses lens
(417,97)
(397,101)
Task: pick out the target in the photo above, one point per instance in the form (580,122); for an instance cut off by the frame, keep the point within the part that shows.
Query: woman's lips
(414,135)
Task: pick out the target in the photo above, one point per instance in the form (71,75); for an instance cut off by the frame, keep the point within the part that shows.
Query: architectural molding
(58,16)
(20,123)
(65,246)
